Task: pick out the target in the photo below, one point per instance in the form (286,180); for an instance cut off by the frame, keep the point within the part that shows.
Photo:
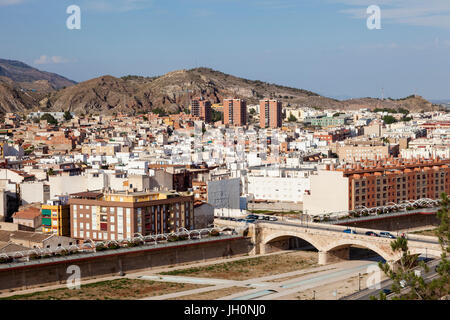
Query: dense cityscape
(224,159)
(73,184)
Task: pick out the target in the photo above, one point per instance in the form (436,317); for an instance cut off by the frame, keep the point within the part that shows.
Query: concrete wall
(329,193)
(34,192)
(276,206)
(52,273)
(203,216)
(397,223)
(225,193)
(60,185)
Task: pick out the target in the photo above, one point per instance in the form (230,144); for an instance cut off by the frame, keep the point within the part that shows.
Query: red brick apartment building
(201,108)
(120,215)
(270,114)
(235,112)
(376,183)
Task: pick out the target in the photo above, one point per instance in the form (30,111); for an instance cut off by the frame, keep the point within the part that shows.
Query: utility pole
(359,282)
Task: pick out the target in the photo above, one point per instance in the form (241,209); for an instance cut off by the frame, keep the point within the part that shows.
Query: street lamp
(359,281)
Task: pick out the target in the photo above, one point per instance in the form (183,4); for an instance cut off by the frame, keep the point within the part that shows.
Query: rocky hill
(22,73)
(171,92)
(15,99)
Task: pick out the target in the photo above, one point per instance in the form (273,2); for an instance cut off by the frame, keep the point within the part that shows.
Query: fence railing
(90,246)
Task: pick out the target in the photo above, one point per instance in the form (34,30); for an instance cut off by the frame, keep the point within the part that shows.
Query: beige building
(369,150)
(100,149)
(329,193)
(375,129)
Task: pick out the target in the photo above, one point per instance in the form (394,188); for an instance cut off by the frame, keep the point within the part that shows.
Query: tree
(67,116)
(419,288)
(216,115)
(404,275)
(159,111)
(292,118)
(50,119)
(389,119)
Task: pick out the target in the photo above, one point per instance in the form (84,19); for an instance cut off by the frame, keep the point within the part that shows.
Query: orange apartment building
(235,112)
(376,183)
(270,114)
(201,108)
(120,215)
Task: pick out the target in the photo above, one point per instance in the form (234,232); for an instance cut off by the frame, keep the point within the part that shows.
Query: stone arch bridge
(330,240)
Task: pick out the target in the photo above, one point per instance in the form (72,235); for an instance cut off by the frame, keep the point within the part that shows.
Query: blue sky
(320,45)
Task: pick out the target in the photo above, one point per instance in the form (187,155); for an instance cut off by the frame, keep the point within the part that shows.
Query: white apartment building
(279,185)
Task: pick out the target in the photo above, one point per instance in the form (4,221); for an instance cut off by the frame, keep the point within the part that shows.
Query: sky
(320,45)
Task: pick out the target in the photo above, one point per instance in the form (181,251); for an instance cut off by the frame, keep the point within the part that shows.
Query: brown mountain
(23,73)
(15,99)
(172,92)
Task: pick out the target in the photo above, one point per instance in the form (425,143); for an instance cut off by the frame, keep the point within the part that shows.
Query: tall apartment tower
(201,108)
(235,112)
(270,114)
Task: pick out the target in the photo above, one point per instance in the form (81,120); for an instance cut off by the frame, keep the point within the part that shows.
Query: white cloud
(10,2)
(44,59)
(430,13)
(116,5)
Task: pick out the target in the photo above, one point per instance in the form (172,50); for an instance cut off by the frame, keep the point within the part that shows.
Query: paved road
(263,287)
(387,284)
(286,288)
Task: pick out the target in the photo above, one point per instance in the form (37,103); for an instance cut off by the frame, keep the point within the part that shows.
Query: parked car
(372,234)
(349,231)
(252,216)
(240,220)
(233,219)
(273,219)
(260,217)
(387,291)
(385,234)
(250,220)
(267,218)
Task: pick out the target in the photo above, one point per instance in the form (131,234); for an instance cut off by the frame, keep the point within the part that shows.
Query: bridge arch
(376,247)
(287,234)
